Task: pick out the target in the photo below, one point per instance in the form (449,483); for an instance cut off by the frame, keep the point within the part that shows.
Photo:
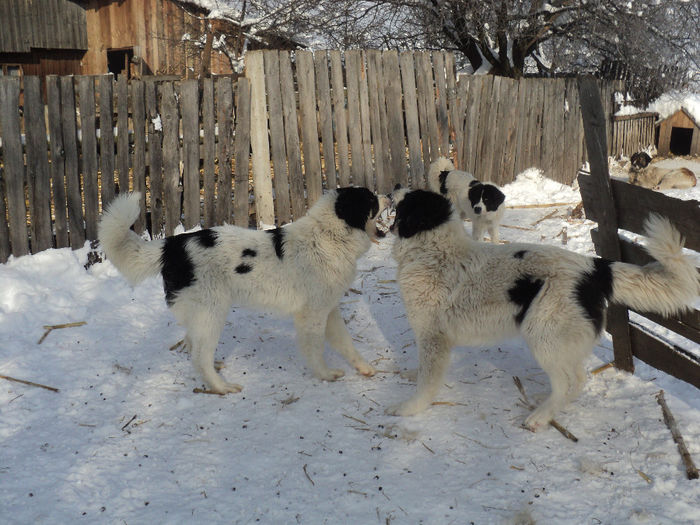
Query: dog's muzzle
(477,210)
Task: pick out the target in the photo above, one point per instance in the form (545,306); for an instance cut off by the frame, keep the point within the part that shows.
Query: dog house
(679,134)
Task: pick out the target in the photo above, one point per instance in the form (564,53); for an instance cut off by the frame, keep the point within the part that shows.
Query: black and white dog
(460,292)
(480,202)
(301,270)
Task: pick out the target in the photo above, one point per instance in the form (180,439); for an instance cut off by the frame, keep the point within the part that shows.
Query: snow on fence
(262,148)
(617,205)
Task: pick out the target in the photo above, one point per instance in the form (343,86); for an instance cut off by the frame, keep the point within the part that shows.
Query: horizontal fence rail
(260,149)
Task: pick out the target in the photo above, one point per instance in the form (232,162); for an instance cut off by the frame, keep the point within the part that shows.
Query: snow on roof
(666,105)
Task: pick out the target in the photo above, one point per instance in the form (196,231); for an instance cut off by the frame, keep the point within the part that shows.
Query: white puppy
(480,202)
(460,292)
(301,270)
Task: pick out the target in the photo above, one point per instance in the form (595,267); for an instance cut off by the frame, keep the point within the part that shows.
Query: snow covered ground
(125,440)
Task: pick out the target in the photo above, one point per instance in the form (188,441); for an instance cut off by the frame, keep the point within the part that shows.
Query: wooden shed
(42,37)
(679,134)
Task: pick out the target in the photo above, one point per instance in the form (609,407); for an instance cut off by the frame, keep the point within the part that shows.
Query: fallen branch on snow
(50,327)
(30,383)
(690,469)
(564,432)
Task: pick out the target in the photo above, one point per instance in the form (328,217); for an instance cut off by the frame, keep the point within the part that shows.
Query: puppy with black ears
(480,202)
(460,292)
(302,270)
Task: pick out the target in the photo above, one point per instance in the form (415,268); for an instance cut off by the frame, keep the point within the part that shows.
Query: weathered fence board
(224,149)
(155,158)
(106,90)
(88,154)
(241,199)
(395,127)
(76,224)
(123,133)
(171,157)
(410,104)
(368,179)
(377,114)
(325,117)
(138,175)
(209,153)
(309,126)
(340,121)
(352,68)
(53,96)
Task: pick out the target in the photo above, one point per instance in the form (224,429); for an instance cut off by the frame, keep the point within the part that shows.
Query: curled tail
(666,286)
(135,258)
(441,164)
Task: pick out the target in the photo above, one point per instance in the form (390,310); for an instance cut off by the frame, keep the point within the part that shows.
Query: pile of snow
(125,440)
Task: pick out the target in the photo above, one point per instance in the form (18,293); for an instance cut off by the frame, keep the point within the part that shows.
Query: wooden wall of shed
(154,28)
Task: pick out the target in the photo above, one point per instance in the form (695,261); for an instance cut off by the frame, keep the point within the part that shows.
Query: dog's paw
(365,369)
(538,420)
(330,374)
(409,375)
(225,388)
(407,408)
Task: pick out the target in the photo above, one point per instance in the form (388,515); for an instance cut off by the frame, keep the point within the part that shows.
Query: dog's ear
(356,206)
(493,197)
(420,211)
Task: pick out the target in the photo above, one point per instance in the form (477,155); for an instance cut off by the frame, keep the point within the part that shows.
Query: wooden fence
(262,149)
(618,205)
(632,133)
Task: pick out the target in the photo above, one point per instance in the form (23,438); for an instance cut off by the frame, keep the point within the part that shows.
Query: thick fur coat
(301,270)
(460,292)
(656,178)
(480,202)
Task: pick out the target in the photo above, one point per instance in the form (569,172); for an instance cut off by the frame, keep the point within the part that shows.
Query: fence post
(594,126)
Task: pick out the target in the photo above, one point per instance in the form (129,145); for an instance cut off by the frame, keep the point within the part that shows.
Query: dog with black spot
(480,202)
(302,269)
(460,292)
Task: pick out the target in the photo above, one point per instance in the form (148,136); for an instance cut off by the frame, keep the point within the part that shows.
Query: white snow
(125,440)
(666,105)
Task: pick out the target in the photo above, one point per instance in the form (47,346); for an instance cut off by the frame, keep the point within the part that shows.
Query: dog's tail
(134,257)
(666,286)
(438,165)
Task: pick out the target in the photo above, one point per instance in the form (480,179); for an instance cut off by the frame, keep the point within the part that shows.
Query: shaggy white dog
(480,202)
(460,292)
(301,270)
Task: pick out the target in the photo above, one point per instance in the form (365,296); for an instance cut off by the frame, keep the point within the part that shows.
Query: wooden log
(38,176)
(86,95)
(242,153)
(106,139)
(76,224)
(53,97)
(13,160)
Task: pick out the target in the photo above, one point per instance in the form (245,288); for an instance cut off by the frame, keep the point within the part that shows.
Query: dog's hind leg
(311,328)
(203,332)
(433,359)
(339,338)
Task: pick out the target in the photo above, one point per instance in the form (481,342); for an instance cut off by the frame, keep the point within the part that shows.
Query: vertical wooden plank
(283,210)
(352,73)
(53,97)
(368,176)
(410,101)
(309,125)
(426,92)
(5,248)
(340,121)
(443,122)
(76,225)
(453,104)
(38,177)
(325,113)
(242,152)
(86,95)
(594,122)
(262,181)
(224,107)
(14,165)
(471,122)
(155,157)
(189,109)
(377,107)
(209,152)
(123,133)
(394,110)
(171,157)
(107,139)
(487,101)
(291,136)
(138,170)
(512,124)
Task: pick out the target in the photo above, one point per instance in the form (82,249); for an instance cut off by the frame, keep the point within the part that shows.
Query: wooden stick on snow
(690,469)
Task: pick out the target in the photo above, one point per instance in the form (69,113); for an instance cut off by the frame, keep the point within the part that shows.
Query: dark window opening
(118,61)
(680,141)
